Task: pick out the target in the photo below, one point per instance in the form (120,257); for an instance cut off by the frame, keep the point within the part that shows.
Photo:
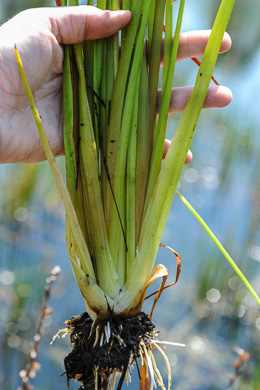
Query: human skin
(39,35)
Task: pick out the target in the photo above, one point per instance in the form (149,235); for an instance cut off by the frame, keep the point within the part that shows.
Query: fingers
(167,144)
(74,24)
(193,44)
(189,157)
(217,97)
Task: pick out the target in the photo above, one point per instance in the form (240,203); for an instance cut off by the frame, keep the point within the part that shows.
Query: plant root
(104,352)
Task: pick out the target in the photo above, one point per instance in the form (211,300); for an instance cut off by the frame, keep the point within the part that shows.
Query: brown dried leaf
(160,271)
(159,292)
(178,259)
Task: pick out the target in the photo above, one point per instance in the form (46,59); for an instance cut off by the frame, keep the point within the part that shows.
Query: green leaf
(86,262)
(220,247)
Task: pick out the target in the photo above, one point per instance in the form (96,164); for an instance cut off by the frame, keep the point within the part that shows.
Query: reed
(118,192)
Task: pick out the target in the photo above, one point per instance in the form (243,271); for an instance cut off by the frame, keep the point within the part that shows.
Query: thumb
(74,24)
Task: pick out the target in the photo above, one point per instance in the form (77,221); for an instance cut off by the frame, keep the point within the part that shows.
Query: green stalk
(116,6)
(160,129)
(174,161)
(86,263)
(89,68)
(70,126)
(109,70)
(102,107)
(88,58)
(168,39)
(143,152)
(127,5)
(151,25)
(73,2)
(114,228)
(69,147)
(119,91)
(122,270)
(154,61)
(121,259)
(131,186)
(107,277)
(220,247)
(166,185)
(97,75)
(112,58)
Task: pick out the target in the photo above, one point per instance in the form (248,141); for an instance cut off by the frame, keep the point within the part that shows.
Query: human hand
(39,34)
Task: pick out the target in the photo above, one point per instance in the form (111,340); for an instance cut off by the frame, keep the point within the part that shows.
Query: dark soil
(103,348)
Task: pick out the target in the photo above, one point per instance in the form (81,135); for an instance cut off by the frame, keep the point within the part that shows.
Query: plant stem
(160,128)
(160,202)
(143,152)
(118,97)
(114,227)
(131,186)
(220,247)
(107,276)
(154,61)
(86,262)
(127,5)
(168,39)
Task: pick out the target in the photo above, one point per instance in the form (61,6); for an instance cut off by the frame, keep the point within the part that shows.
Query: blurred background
(209,309)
